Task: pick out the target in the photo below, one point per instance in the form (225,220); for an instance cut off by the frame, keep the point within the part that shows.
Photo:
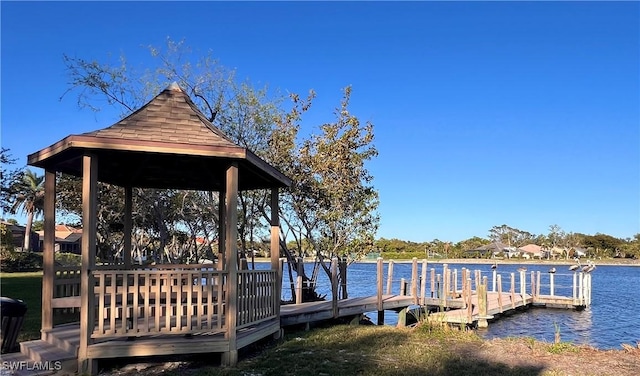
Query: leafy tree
(6,241)
(471,243)
(500,234)
(631,247)
(37,225)
(9,179)
(27,195)
(342,192)
(332,203)
(603,245)
(511,236)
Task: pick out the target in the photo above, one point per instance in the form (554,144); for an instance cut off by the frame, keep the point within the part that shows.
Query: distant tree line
(597,246)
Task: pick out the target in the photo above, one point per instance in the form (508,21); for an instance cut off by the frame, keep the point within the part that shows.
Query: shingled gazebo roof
(167,143)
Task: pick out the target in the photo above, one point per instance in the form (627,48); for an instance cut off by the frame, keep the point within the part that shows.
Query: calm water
(612,319)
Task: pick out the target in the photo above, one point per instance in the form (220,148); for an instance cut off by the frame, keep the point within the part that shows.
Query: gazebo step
(65,337)
(38,358)
(43,351)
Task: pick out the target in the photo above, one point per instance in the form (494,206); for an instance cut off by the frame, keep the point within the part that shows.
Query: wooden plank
(69,301)
(170,345)
(264,329)
(111,288)
(450,303)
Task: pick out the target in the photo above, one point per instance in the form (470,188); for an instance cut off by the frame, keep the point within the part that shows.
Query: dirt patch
(562,359)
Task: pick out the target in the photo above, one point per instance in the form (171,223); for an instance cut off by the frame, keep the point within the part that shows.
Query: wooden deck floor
(292,314)
(495,306)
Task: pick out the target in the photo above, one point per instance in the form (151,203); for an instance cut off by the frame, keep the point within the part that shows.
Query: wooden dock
(466,297)
(453,296)
(303,313)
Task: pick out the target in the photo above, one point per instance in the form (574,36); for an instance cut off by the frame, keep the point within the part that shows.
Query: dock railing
(450,289)
(337,279)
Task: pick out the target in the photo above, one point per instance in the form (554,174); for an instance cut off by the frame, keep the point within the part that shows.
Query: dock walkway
(453,297)
(293,314)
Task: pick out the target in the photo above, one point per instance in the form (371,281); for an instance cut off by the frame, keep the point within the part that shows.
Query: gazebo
(131,310)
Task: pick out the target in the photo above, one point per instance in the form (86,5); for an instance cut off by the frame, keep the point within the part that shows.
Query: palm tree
(27,194)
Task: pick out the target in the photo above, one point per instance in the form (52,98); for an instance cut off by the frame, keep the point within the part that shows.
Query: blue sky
(485,113)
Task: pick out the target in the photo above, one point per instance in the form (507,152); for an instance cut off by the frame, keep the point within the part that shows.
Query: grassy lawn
(28,288)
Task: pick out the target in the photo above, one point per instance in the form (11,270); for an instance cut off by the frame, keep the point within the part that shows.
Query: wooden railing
(258,299)
(445,287)
(149,302)
(172,298)
(66,289)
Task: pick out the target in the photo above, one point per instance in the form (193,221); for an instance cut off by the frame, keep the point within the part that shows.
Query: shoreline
(608,262)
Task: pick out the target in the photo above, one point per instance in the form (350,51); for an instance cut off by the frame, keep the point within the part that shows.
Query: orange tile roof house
(68,239)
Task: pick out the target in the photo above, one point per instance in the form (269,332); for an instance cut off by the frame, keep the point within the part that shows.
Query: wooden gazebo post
(275,243)
(128,225)
(222,223)
(89,223)
(231,250)
(49,250)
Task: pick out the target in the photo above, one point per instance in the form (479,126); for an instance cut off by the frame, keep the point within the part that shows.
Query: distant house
(18,232)
(577,252)
(531,251)
(557,252)
(68,239)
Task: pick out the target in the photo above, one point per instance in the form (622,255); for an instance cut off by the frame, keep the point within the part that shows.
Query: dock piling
(380,278)
(334,286)
(482,305)
(414,280)
(513,290)
(468,305)
(580,289)
(389,277)
(423,281)
(499,281)
(455,282)
(494,280)
(433,283)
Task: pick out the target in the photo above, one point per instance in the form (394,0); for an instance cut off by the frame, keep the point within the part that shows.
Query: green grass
(561,347)
(28,288)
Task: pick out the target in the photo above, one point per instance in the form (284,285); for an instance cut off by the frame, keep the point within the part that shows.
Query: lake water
(612,319)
